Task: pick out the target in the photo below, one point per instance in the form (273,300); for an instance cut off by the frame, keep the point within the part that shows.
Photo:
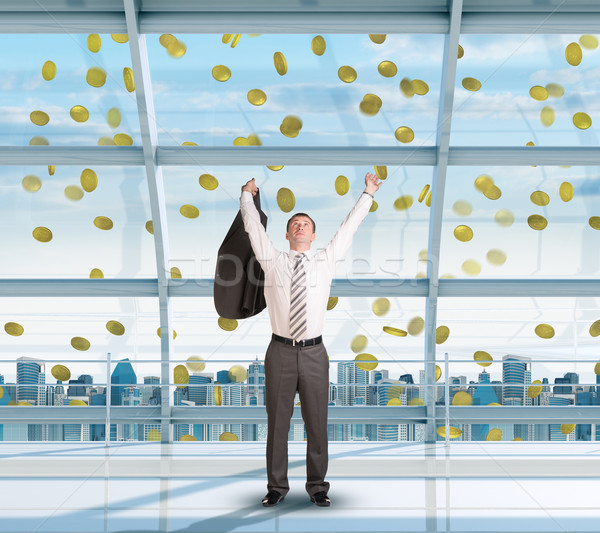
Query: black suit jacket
(239,278)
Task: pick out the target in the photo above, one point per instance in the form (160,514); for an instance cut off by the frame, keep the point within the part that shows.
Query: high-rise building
(28,378)
(352,384)
(513,378)
(122,376)
(151,390)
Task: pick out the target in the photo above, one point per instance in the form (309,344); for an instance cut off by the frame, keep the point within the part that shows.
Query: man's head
(300,231)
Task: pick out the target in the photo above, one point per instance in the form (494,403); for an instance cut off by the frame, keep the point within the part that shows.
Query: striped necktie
(298,300)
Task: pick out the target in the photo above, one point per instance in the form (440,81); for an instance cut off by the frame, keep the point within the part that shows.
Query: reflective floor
(196,487)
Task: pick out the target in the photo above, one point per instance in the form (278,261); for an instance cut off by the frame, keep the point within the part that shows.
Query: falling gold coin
(275,168)
(366,357)
(373,207)
(589,42)
(113,117)
(404,134)
(80,343)
(174,333)
(38,141)
(166,39)
(482,358)
(387,69)
(42,234)
(441,334)
(39,118)
(342,185)
(397,332)
(555,90)
(176,49)
(420,87)
(462,398)
(462,208)
(256,97)
(463,233)
(149,227)
(377,38)
(96,77)
(381,171)
(236,40)
(227,324)
(332,302)
(423,193)
(415,326)
(504,218)
(94,42)
(358,343)
(453,433)
(237,374)
(227,436)
(221,73)
(195,363)
(114,327)
(595,222)
(582,121)
(120,38)
(370,105)
(122,139)
(394,401)
(280,63)
(461,51)
(14,329)
(540,198)
(496,257)
(153,435)
(96,273)
(189,211)
(128,79)
(106,141)
(595,329)
(403,203)
(537,222)
(544,331)
(565,429)
(535,389)
(88,180)
(51,169)
(31,183)
(187,438)
(317,45)
(537,92)
(406,87)
(483,183)
(48,70)
(291,126)
(381,306)
(175,273)
(493,193)
(285,199)
(103,223)
(573,54)
(61,373)
(597,369)
(208,182)
(181,376)
(347,74)
(471,267)
(547,116)
(438,370)
(227,37)
(471,84)
(566,191)
(74,192)
(413,402)
(494,434)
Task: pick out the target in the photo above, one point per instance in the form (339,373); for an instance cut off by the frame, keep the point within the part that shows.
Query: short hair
(296,215)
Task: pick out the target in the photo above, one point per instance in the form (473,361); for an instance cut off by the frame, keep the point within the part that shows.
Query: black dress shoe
(272,498)
(320,499)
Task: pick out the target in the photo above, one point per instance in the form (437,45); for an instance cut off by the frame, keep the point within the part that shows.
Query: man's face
(300,231)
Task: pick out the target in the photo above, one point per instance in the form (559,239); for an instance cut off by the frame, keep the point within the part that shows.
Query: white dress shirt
(320,267)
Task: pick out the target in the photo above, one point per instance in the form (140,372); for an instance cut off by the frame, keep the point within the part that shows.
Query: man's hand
(250,187)
(372,183)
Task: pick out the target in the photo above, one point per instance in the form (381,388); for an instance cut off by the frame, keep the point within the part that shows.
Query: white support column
(145,105)
(437,206)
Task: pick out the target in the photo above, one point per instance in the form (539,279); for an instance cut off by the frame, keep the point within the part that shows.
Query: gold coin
(381,171)
(153,435)
(387,69)
(149,227)
(275,168)
(237,374)
(535,389)
(404,134)
(462,398)
(189,211)
(254,140)
(573,54)
(394,401)
(128,79)
(174,333)
(555,90)
(256,97)
(31,183)
(342,185)
(589,42)
(537,92)
(547,116)
(544,331)
(280,63)
(96,77)
(23,403)
(332,302)
(504,218)
(482,358)
(595,329)
(79,113)
(471,84)
(493,193)
(566,191)
(453,433)
(38,141)
(565,429)
(94,42)
(236,40)
(370,105)
(416,401)
(88,179)
(395,391)
(80,343)
(176,49)
(48,70)
(227,324)
(463,233)
(397,332)
(114,327)
(406,87)
(74,192)
(14,329)
(317,45)
(420,87)
(461,51)
(582,121)
(373,207)
(594,222)
(291,126)
(540,198)
(358,343)
(421,275)
(51,169)
(175,273)
(1,392)
(228,436)
(208,182)
(195,363)
(438,371)
(120,38)
(366,357)
(39,118)
(471,267)
(494,434)
(441,334)
(423,193)
(186,438)
(347,74)
(61,373)
(462,208)
(96,273)
(103,223)
(377,38)
(221,73)
(381,306)
(227,37)
(483,183)
(496,257)
(285,200)
(79,403)
(403,203)
(597,369)
(537,222)
(122,139)
(42,234)
(106,141)
(415,326)
(113,117)
(181,376)
(428,199)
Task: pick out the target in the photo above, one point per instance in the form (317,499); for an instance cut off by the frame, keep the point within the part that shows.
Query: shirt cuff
(368,193)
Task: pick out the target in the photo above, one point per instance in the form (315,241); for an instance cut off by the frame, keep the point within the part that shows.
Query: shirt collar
(294,253)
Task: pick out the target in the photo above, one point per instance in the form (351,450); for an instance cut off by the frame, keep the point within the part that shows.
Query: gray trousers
(289,369)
